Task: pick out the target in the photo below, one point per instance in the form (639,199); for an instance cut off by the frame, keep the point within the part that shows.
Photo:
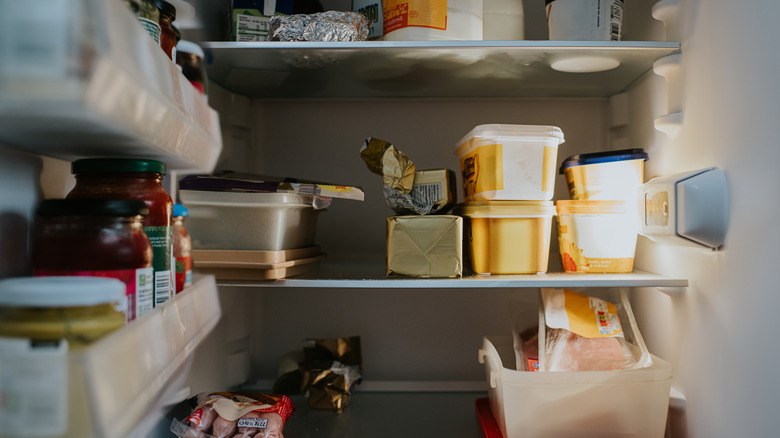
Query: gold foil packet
(395,168)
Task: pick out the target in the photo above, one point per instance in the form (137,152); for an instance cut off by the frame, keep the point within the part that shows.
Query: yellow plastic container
(596,236)
(508,237)
(509,162)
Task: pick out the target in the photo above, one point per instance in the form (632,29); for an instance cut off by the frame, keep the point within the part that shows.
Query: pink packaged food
(235,415)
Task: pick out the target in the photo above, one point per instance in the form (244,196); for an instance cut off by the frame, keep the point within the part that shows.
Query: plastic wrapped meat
(567,351)
(322,26)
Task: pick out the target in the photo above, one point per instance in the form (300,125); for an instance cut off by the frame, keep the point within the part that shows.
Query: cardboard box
(372,9)
(435,186)
(425,246)
(250,23)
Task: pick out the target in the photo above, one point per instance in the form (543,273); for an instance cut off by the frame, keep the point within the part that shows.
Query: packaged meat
(586,333)
(233,415)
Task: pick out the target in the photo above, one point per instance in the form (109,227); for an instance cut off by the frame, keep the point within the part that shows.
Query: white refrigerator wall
(718,332)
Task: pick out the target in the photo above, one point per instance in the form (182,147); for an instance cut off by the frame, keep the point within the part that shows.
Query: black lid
(168,9)
(111,165)
(603,157)
(92,207)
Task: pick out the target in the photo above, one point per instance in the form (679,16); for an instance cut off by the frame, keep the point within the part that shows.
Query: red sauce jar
(126,178)
(97,238)
(182,248)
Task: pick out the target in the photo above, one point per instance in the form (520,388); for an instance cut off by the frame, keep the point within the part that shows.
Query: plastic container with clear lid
(182,248)
(129,178)
(80,310)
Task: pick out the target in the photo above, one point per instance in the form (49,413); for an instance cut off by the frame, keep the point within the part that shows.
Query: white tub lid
(60,291)
(505,131)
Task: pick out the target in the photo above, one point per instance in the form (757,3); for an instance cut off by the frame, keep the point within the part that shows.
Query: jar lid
(111,165)
(60,291)
(191,48)
(180,211)
(603,157)
(167,9)
(92,207)
(506,209)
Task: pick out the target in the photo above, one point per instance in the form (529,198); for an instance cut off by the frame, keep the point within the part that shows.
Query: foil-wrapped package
(322,26)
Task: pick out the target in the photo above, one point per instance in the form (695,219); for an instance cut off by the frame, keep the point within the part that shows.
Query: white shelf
(132,373)
(372,276)
(82,78)
(426,69)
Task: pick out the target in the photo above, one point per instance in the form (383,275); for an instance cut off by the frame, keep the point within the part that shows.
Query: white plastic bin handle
(494,379)
(482,353)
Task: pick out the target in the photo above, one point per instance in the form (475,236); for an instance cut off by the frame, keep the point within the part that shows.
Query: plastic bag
(235,415)
(582,333)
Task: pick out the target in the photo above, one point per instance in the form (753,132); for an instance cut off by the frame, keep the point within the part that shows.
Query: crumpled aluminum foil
(322,26)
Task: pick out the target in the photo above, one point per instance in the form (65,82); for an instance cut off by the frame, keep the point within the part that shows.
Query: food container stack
(597,227)
(254,227)
(508,180)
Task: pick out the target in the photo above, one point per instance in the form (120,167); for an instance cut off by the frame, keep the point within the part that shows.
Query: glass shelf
(426,69)
(372,276)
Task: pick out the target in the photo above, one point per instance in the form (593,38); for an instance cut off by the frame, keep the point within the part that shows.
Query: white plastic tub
(423,21)
(596,236)
(509,162)
(585,404)
(250,220)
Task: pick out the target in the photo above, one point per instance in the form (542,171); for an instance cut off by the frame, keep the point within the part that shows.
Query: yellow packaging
(425,246)
(508,237)
(414,13)
(509,162)
(596,236)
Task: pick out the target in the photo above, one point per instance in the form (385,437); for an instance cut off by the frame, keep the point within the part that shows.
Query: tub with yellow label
(508,237)
(607,176)
(509,162)
(596,236)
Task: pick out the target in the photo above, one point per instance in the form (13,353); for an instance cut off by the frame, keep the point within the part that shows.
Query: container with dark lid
(127,178)
(607,176)
(97,238)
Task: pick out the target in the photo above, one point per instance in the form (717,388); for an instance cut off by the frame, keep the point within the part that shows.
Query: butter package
(425,246)
(433,192)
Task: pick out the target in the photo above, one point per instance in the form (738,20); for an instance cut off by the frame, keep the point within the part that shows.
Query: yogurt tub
(609,176)
(509,162)
(596,236)
(508,237)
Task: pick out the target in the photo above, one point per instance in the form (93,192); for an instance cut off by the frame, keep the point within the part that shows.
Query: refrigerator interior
(425,340)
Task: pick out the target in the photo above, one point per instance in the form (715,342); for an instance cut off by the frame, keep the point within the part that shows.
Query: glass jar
(167,34)
(189,56)
(127,178)
(97,238)
(182,248)
(149,16)
(133,5)
(80,310)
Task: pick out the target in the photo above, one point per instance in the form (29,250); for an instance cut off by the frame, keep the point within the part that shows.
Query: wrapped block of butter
(425,246)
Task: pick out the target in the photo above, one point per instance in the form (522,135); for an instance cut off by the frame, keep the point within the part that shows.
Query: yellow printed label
(591,317)
(414,13)
(483,170)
